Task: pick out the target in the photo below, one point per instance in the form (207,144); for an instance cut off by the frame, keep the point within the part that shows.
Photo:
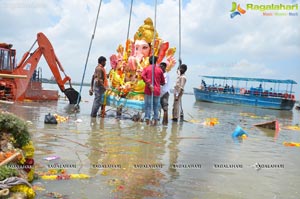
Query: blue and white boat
(257,92)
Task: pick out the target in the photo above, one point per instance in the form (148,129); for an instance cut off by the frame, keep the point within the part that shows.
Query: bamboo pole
(11,158)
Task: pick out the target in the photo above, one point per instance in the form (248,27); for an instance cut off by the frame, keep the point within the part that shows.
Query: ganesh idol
(129,62)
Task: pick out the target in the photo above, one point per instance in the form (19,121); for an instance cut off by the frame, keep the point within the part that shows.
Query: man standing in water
(178,91)
(164,93)
(99,85)
(155,89)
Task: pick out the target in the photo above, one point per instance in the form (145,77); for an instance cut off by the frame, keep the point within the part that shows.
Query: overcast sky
(250,45)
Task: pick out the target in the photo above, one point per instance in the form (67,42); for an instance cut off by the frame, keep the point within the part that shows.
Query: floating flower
(28,191)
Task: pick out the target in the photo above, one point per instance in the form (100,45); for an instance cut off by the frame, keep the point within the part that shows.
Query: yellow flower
(22,160)
(30,175)
(28,150)
(28,191)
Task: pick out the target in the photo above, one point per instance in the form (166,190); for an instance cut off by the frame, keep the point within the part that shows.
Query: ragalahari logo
(236,10)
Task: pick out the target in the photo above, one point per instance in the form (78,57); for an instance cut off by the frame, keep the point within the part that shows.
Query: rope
(153,64)
(88,54)
(179,51)
(179,59)
(129,20)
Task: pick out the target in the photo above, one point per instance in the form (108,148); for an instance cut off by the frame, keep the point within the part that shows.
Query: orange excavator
(19,82)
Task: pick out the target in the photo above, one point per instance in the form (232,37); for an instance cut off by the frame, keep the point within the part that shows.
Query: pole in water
(88,54)
(180,60)
(153,58)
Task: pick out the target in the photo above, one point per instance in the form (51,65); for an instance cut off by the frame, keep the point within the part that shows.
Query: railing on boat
(242,91)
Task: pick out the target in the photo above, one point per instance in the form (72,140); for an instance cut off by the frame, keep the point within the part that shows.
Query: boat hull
(244,100)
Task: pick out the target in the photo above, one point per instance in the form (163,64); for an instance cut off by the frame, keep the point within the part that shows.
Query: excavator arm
(29,62)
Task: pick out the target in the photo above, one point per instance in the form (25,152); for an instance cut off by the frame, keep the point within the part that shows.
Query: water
(88,142)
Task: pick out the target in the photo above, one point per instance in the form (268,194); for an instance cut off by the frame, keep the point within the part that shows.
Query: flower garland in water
(17,150)
(28,150)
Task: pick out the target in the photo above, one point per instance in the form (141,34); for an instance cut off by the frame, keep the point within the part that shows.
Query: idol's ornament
(127,65)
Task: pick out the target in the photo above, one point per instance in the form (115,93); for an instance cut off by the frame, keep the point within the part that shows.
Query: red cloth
(158,79)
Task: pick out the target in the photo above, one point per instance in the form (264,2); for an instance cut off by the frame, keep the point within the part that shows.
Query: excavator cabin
(7,57)
(7,65)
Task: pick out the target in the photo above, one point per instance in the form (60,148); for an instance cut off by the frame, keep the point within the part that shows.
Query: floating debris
(294,128)
(50,119)
(78,120)
(274,125)
(296,144)
(252,115)
(56,195)
(51,158)
(239,133)
(65,176)
(60,118)
(211,121)
(193,121)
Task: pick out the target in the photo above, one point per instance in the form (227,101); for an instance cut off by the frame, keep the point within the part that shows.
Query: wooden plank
(6,102)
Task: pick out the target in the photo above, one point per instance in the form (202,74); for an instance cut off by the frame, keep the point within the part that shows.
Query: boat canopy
(252,79)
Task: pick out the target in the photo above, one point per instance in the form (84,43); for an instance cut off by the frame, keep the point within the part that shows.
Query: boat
(257,92)
(273,125)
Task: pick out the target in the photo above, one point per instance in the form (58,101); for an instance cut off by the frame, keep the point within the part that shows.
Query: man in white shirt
(164,93)
(178,92)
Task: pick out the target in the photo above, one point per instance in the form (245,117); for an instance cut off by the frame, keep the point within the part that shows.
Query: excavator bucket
(72,95)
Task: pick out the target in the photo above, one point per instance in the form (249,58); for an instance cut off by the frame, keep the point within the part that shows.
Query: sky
(212,43)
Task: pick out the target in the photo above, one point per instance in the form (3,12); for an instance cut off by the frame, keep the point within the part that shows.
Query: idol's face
(142,48)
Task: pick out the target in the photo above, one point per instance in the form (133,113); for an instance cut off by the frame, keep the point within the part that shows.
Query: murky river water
(91,143)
